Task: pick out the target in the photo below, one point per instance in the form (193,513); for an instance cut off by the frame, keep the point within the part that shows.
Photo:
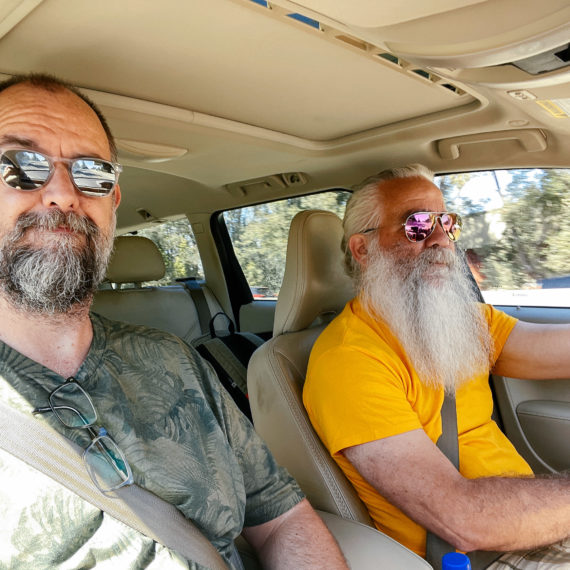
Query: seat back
(315,289)
(135,260)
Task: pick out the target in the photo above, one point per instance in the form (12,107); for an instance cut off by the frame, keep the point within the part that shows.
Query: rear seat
(136,260)
(173,309)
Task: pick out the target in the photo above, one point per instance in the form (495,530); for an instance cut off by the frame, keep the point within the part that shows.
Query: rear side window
(259,237)
(176,242)
(516,233)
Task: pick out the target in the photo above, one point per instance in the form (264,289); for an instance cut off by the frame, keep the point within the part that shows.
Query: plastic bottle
(455,561)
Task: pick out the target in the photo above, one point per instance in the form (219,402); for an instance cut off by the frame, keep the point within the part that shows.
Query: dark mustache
(54,219)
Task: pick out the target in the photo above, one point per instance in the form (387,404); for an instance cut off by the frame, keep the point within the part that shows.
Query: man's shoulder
(123,337)
(355,329)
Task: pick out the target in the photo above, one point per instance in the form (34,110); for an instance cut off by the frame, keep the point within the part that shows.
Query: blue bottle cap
(455,561)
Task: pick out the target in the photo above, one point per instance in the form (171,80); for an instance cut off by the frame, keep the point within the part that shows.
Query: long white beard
(432,310)
(59,277)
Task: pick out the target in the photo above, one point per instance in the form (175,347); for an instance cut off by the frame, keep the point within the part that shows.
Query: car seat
(315,289)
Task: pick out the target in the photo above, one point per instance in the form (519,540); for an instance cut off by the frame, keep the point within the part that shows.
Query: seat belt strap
(197,294)
(42,447)
(448,444)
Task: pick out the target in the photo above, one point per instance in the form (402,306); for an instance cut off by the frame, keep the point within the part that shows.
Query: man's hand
(297,539)
(497,513)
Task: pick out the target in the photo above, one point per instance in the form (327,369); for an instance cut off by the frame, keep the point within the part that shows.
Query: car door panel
(257,317)
(536,413)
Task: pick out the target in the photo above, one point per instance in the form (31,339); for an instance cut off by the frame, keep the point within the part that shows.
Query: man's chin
(437,274)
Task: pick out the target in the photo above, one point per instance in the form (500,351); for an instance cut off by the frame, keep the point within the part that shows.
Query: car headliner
(222,103)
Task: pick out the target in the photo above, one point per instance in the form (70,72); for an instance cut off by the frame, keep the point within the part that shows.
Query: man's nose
(439,238)
(60,191)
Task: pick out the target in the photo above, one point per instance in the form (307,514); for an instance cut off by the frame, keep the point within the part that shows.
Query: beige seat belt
(40,446)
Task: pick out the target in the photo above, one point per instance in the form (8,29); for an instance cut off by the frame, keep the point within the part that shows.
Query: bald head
(51,84)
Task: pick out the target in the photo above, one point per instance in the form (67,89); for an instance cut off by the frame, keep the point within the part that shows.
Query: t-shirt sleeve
(500,326)
(270,489)
(353,396)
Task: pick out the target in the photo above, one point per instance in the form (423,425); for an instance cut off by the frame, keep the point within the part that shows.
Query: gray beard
(432,310)
(58,278)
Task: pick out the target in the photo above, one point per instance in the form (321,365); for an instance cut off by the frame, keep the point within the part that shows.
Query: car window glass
(516,233)
(259,237)
(176,242)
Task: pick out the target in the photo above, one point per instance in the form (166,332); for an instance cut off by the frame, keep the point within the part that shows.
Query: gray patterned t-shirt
(182,434)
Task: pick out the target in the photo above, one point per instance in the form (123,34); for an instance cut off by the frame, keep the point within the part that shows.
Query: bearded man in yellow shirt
(378,374)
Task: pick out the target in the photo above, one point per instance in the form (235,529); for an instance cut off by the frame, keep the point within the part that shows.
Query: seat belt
(448,444)
(45,449)
(229,354)
(197,294)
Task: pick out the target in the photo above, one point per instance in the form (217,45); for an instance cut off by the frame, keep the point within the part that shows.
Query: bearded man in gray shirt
(181,435)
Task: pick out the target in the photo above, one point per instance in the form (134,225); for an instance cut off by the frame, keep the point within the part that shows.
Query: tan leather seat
(137,260)
(315,289)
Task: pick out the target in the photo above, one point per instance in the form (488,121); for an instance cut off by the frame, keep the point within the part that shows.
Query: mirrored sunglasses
(420,225)
(29,170)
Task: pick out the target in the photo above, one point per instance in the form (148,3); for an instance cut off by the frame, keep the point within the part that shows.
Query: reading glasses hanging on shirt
(106,463)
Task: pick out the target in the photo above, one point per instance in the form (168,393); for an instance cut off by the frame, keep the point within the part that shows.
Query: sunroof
(305,20)
(260,2)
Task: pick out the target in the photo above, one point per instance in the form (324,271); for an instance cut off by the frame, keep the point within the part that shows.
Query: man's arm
(536,351)
(472,514)
(296,539)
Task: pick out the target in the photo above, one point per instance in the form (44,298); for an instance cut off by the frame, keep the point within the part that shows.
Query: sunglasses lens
(419,226)
(94,177)
(452,225)
(24,169)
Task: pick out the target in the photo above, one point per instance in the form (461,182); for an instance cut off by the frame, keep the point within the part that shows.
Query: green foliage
(176,242)
(535,241)
(259,234)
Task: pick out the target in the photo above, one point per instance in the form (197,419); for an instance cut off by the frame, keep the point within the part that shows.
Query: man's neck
(58,342)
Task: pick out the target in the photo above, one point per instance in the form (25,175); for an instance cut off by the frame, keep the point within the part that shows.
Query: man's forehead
(31,114)
(410,194)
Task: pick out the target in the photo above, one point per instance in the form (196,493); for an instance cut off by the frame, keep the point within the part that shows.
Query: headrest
(314,284)
(135,259)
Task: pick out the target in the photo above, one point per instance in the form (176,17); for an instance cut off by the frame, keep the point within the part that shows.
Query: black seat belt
(197,294)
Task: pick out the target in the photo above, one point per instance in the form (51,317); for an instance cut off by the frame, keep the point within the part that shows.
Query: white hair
(432,310)
(363,209)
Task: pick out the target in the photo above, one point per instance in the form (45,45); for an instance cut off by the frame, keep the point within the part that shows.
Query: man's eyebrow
(416,211)
(410,212)
(16,140)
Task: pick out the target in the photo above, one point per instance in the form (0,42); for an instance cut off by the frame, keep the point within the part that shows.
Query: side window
(176,242)
(259,237)
(516,233)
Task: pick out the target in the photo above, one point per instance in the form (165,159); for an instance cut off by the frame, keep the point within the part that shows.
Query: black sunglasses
(106,463)
(29,170)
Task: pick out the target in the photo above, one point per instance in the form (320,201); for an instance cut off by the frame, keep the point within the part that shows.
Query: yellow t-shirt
(361,387)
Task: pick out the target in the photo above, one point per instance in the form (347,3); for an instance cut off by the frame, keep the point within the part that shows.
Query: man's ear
(358,245)
(117,196)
